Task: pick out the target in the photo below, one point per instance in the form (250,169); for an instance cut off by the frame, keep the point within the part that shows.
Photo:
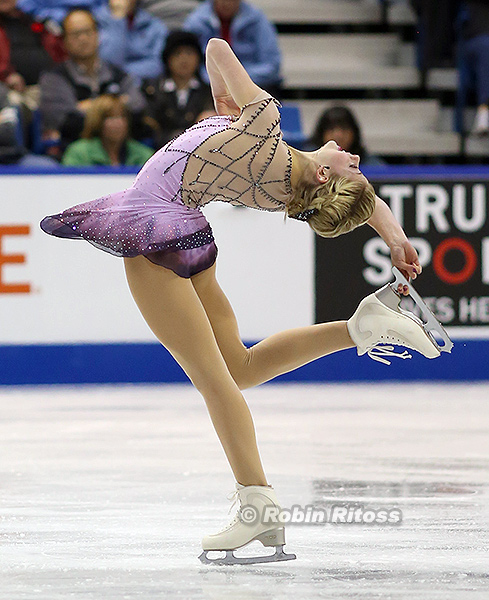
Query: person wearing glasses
(68,90)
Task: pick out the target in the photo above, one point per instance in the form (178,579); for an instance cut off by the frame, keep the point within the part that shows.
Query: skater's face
(334,160)
(341,135)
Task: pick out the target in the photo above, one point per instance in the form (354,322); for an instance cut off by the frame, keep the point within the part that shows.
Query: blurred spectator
(436,32)
(130,37)
(474,59)
(27,48)
(176,100)
(249,33)
(172,12)
(68,91)
(56,10)
(106,138)
(338,123)
(12,148)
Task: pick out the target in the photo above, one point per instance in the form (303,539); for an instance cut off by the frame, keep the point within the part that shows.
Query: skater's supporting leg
(277,354)
(173,311)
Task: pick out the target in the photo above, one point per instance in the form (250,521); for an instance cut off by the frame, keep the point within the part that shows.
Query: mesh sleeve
(259,115)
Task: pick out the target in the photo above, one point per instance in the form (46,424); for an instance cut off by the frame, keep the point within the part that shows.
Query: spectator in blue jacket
(172,12)
(55,10)
(131,38)
(249,33)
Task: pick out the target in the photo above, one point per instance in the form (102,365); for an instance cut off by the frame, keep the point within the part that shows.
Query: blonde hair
(101,108)
(336,207)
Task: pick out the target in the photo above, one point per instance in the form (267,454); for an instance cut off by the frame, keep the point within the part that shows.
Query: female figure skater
(169,255)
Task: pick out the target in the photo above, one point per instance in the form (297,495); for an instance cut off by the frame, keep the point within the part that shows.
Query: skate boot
(246,527)
(379,323)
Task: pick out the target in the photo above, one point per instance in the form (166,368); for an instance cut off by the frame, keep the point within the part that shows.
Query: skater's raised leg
(277,354)
(373,323)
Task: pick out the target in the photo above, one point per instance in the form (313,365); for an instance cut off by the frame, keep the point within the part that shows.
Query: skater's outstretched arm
(231,85)
(403,255)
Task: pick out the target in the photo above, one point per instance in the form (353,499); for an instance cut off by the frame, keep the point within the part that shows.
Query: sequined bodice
(247,163)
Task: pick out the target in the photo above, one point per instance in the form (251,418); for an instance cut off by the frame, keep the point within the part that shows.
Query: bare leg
(174,312)
(277,354)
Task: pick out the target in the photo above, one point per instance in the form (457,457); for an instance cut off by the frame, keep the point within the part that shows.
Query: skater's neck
(304,165)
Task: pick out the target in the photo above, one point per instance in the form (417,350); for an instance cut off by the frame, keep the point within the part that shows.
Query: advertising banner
(56,291)
(446,220)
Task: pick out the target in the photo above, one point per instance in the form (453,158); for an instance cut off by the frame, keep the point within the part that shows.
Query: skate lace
(379,353)
(234,498)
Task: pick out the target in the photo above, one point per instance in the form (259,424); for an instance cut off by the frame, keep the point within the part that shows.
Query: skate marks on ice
(106,492)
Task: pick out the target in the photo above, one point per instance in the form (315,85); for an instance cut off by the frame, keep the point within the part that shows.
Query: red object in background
(37,27)
(5,67)
(470,261)
(52,43)
(226,30)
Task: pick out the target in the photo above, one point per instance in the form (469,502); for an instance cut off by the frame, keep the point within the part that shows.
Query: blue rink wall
(42,342)
(143,363)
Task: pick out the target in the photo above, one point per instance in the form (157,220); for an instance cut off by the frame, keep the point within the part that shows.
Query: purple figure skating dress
(242,161)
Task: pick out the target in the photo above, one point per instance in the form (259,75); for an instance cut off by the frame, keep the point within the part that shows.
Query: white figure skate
(246,527)
(379,323)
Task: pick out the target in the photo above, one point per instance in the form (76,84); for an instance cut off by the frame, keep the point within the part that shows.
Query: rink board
(66,315)
(141,363)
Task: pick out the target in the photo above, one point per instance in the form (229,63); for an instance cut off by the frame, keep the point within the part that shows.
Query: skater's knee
(238,370)
(214,387)
(242,370)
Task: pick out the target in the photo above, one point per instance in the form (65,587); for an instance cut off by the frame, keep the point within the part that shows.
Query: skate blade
(429,322)
(231,559)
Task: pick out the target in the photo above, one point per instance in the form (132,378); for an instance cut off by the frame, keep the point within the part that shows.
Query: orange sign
(12,288)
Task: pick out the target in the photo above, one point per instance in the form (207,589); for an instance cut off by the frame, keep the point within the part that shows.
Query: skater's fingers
(406,269)
(410,271)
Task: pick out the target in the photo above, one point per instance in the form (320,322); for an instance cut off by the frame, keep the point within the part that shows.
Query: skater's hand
(226,105)
(405,258)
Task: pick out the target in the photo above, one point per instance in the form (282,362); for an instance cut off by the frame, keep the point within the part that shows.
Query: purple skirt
(149,218)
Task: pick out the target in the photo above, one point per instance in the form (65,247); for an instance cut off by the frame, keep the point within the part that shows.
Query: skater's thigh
(174,312)
(224,324)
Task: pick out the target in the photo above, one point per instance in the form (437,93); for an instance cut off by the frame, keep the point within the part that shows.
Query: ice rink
(106,492)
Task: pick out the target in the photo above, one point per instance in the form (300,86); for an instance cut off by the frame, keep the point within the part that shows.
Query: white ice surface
(105,492)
